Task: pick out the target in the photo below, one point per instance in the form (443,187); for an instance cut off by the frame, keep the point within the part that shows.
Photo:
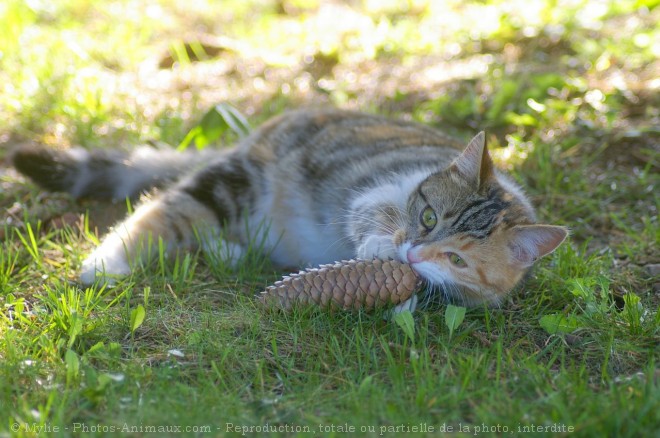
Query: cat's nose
(413,256)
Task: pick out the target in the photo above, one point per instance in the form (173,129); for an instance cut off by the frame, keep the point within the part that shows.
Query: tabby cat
(323,185)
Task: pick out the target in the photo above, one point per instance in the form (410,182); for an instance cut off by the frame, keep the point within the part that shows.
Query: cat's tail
(104,174)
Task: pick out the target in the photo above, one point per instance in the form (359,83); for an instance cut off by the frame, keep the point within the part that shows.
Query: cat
(322,185)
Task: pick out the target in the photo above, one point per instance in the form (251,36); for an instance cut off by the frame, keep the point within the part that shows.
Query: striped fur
(322,185)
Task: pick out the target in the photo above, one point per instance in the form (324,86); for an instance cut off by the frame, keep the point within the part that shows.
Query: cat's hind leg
(174,219)
(188,215)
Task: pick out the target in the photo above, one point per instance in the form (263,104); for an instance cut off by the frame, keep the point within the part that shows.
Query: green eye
(429,219)
(456,260)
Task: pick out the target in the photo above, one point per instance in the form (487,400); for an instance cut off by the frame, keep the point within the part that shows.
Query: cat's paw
(104,266)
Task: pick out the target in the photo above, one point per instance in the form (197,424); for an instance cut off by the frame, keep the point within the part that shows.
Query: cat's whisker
(380,225)
(393,222)
(340,241)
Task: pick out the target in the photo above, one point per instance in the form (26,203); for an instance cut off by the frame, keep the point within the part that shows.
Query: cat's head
(471,232)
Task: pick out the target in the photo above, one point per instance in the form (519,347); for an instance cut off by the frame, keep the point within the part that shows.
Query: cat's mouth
(412,257)
(407,253)
(402,252)
(440,288)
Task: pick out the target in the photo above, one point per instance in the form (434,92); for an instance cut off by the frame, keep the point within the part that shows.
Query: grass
(568,94)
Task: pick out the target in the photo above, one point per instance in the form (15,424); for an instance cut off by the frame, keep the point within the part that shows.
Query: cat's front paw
(104,266)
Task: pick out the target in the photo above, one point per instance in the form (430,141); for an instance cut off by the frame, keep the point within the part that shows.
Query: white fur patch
(394,191)
(402,251)
(294,236)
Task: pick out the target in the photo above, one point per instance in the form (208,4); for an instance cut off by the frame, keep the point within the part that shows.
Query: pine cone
(349,284)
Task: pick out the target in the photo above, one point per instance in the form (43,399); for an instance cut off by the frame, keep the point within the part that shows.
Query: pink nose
(412,256)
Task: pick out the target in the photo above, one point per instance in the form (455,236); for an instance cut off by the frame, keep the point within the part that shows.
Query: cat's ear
(475,164)
(531,242)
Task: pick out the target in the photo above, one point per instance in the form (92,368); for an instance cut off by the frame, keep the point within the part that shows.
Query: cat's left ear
(531,242)
(475,164)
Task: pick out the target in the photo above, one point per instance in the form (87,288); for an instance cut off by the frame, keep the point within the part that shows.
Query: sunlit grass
(82,70)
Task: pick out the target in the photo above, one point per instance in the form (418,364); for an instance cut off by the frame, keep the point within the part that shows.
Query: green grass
(568,94)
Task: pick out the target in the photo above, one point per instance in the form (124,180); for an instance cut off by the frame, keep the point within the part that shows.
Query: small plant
(136,318)
(558,323)
(219,121)
(454,316)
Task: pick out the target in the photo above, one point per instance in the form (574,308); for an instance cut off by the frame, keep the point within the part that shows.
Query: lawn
(568,93)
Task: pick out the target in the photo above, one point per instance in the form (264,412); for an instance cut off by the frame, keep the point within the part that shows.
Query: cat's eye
(429,219)
(456,260)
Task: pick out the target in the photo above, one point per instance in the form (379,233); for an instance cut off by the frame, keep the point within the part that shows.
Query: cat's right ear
(474,164)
